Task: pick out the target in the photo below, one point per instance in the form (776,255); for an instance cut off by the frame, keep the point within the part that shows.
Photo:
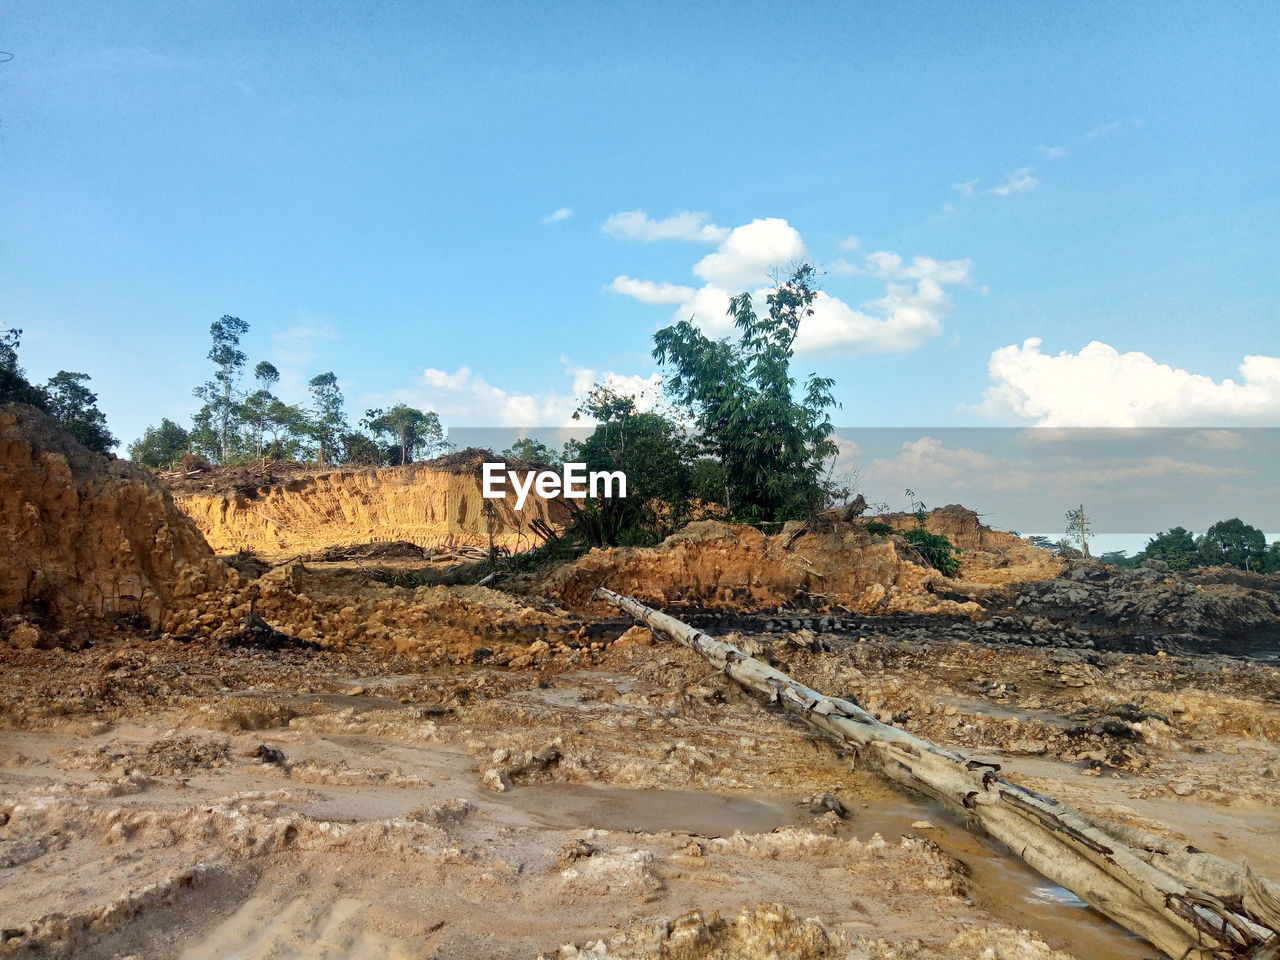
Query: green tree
(410,430)
(741,397)
(651,450)
(290,427)
(328,422)
(220,414)
(257,405)
(75,406)
(1117,558)
(1078,529)
(532,450)
(14,385)
(1176,547)
(160,447)
(360,448)
(1235,542)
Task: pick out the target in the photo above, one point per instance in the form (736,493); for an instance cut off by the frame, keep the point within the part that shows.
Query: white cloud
(646,291)
(464,398)
(929,463)
(1020,181)
(850,243)
(1101,387)
(556,216)
(966,189)
(1104,130)
(635,225)
(750,252)
(908,313)
(1053,153)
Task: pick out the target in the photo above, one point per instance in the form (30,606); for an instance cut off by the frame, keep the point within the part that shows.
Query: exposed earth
(344,759)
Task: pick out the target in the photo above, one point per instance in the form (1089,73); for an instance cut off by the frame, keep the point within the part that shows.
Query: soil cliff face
(419,504)
(85,538)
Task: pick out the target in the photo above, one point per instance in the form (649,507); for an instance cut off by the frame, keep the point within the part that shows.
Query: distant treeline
(1227,541)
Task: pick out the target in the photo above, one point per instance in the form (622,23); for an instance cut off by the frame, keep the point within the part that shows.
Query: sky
(1024,215)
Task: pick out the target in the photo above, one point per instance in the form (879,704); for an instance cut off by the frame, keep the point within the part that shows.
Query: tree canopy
(742,399)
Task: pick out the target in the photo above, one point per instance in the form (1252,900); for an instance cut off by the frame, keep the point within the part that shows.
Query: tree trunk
(1190,904)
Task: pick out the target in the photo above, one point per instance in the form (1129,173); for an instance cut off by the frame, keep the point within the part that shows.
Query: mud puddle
(626,810)
(1002,883)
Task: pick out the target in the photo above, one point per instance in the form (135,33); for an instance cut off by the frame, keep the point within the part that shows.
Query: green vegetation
(65,396)
(161,447)
(939,552)
(234,425)
(771,446)
(1231,542)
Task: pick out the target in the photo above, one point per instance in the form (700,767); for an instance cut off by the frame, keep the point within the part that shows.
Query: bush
(937,550)
(878,529)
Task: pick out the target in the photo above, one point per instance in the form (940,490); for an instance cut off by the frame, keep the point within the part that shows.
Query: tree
(1235,542)
(532,450)
(289,427)
(14,385)
(75,406)
(257,406)
(1176,547)
(1117,558)
(410,428)
(220,413)
(1042,542)
(1078,529)
(360,448)
(160,447)
(328,422)
(741,397)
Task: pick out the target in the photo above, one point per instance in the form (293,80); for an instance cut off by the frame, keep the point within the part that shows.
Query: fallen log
(1189,904)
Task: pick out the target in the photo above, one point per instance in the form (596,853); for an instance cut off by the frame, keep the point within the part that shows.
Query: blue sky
(374,188)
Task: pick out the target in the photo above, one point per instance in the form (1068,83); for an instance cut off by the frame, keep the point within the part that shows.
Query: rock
(922,825)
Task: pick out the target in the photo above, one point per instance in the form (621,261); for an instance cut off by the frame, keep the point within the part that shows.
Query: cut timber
(1189,904)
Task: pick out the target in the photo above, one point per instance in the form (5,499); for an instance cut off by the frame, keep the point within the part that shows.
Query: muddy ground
(163,796)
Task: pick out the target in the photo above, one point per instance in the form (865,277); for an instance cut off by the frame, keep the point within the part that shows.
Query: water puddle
(571,805)
(1000,882)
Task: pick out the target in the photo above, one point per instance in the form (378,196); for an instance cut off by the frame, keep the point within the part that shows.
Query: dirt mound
(826,563)
(725,565)
(427,505)
(1220,610)
(338,609)
(87,538)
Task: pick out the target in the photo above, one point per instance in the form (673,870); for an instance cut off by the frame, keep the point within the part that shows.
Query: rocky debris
(89,540)
(300,607)
(1147,609)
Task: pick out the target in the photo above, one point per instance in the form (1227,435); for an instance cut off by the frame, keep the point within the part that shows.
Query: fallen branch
(1189,904)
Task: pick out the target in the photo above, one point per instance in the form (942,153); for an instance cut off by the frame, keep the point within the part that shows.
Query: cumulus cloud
(635,225)
(465,398)
(1101,387)
(749,253)
(556,216)
(907,314)
(929,463)
(646,291)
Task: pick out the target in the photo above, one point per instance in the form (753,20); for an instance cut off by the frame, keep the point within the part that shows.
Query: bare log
(1189,904)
